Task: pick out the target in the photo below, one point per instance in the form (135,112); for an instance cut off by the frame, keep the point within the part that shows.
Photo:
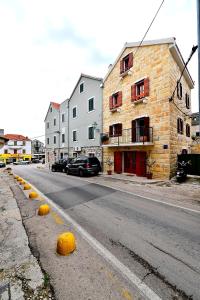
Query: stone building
(195,124)
(37,148)
(142,130)
(73,128)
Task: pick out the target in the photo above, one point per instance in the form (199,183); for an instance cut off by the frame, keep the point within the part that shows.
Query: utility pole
(198,40)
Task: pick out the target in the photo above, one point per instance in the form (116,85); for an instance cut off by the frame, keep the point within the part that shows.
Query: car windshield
(93,160)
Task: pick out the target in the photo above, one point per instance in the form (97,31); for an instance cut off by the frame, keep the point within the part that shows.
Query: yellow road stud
(66,243)
(27,187)
(33,195)
(43,210)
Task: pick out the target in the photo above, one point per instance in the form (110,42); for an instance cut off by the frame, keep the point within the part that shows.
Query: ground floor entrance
(133,162)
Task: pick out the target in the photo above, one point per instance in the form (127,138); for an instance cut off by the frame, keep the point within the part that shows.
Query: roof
(86,76)
(2,137)
(16,137)
(55,105)
(173,49)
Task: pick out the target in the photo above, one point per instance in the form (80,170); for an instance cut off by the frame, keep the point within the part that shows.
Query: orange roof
(16,137)
(55,105)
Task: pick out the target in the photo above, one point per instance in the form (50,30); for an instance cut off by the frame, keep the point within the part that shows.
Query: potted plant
(104,138)
(149,162)
(109,162)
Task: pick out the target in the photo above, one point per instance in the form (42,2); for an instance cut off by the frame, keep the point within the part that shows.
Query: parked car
(60,165)
(2,164)
(84,166)
(21,162)
(35,161)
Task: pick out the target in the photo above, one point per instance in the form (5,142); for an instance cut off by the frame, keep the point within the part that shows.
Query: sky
(46,44)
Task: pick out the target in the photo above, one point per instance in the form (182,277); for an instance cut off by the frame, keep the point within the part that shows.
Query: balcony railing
(140,135)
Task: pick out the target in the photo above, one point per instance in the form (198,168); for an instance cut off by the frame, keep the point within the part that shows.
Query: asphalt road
(159,243)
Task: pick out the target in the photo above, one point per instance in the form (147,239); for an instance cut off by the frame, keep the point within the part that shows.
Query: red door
(118,162)
(129,162)
(141,163)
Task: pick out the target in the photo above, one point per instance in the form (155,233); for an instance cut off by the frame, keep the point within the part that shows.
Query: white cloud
(45,45)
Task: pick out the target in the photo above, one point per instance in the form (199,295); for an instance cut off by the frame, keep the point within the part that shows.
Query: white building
(18,147)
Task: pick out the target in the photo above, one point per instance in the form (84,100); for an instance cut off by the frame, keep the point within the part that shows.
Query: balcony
(138,136)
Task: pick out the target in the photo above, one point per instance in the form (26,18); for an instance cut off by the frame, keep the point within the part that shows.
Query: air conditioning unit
(77,149)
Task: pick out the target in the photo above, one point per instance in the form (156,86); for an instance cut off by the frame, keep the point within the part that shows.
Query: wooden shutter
(178,126)
(121,66)
(133,92)
(130,60)
(178,92)
(119,129)
(111,130)
(134,131)
(146,128)
(111,102)
(146,87)
(119,99)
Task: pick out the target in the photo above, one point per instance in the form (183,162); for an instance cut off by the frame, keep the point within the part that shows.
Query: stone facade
(155,61)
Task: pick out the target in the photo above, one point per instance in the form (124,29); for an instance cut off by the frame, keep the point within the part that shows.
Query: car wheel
(64,170)
(81,173)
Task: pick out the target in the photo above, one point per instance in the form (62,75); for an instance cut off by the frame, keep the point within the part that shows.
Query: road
(159,243)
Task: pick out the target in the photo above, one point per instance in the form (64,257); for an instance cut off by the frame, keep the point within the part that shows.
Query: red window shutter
(133,92)
(119,99)
(111,130)
(121,66)
(146,87)
(111,102)
(130,60)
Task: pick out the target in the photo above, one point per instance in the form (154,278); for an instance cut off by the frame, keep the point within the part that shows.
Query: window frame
(54,122)
(47,125)
(187,130)
(63,138)
(76,140)
(187,100)
(89,111)
(74,107)
(81,84)
(90,126)
(179,90)
(54,139)
(47,141)
(180,126)
(115,130)
(63,117)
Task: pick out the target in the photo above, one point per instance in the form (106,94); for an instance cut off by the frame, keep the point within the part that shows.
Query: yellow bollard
(66,243)
(16,177)
(43,210)
(33,195)
(22,182)
(19,179)
(27,187)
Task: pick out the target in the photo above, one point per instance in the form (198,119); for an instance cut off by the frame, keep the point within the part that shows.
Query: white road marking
(106,254)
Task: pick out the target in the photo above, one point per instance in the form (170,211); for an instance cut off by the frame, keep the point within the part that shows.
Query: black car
(2,164)
(84,166)
(60,165)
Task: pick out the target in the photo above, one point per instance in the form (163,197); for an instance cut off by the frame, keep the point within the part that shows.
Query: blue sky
(46,44)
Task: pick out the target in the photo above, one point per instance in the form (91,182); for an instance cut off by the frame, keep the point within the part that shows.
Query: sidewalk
(20,274)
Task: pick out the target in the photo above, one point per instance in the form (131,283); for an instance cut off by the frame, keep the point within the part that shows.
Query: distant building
(17,147)
(37,149)
(3,140)
(195,124)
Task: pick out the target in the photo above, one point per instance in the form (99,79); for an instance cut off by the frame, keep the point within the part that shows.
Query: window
(74,112)
(91,104)
(24,143)
(63,138)
(198,133)
(54,122)
(187,129)
(63,117)
(179,90)
(81,87)
(54,139)
(126,63)
(115,130)
(47,124)
(115,100)
(51,109)
(140,89)
(187,101)
(24,151)
(47,141)
(5,151)
(91,133)
(74,135)
(15,151)
(15,143)
(180,126)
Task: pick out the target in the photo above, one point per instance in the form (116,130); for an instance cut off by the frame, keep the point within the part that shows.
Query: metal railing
(140,134)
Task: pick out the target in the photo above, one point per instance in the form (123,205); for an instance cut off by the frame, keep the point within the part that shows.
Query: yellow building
(17,147)
(142,130)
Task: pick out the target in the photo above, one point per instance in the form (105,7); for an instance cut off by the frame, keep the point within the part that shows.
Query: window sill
(118,109)
(141,100)
(124,74)
(90,111)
